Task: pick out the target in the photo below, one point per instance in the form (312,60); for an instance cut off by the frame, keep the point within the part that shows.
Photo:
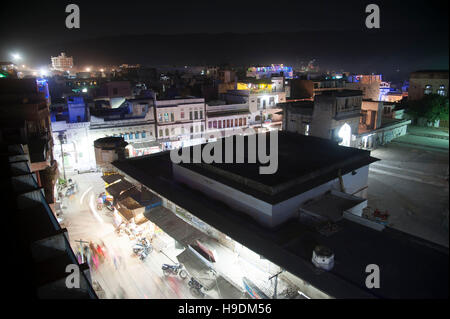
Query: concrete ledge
(363,221)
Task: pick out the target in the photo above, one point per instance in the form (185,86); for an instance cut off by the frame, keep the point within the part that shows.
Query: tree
(433,107)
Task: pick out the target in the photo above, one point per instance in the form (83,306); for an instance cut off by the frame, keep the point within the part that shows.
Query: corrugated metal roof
(111,178)
(117,188)
(174,226)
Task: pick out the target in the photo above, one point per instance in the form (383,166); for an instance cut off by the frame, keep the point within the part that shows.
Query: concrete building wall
(265,213)
(353,184)
(322,116)
(371,91)
(419,80)
(259,210)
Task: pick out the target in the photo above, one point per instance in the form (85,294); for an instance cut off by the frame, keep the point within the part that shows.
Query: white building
(262,97)
(180,122)
(225,120)
(62,62)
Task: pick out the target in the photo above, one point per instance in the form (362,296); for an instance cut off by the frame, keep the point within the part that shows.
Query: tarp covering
(228,290)
(197,268)
(109,179)
(118,188)
(200,269)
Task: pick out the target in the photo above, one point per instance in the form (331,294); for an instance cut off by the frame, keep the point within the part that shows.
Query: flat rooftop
(341,93)
(410,267)
(304,162)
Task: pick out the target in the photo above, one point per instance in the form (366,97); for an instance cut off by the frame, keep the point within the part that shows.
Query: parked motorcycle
(196,288)
(142,248)
(174,270)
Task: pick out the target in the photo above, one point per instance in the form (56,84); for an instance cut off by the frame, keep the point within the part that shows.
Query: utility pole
(61,139)
(276,284)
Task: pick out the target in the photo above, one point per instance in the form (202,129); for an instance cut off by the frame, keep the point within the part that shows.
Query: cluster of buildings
(304,223)
(313,204)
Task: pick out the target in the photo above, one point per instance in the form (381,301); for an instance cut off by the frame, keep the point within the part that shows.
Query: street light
(16,56)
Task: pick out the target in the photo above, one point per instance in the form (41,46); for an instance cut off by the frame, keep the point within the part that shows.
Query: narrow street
(122,274)
(129,277)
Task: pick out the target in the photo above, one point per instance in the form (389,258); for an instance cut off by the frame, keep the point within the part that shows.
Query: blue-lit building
(269,71)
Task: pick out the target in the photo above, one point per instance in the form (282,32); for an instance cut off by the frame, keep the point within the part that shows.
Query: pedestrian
(95,261)
(100,254)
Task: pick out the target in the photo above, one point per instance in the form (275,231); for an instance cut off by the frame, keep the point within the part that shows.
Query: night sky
(413,34)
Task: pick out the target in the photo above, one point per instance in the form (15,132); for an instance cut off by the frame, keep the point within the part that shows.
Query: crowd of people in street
(96,254)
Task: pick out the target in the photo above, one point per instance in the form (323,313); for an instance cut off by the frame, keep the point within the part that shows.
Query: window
(210,124)
(428,89)
(130,136)
(201,114)
(220,124)
(224,123)
(202,128)
(190,115)
(441,90)
(196,115)
(264,104)
(182,114)
(136,135)
(240,122)
(192,129)
(258,103)
(244,121)
(228,123)
(161,133)
(172,117)
(166,117)
(272,101)
(160,117)
(143,134)
(172,131)
(236,122)
(125,136)
(167,132)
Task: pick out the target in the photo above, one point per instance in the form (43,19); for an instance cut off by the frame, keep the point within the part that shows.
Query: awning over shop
(109,179)
(125,212)
(174,226)
(144,197)
(118,188)
(143,145)
(227,289)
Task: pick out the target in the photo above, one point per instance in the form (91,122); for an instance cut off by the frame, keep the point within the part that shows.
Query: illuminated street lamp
(43,72)
(16,56)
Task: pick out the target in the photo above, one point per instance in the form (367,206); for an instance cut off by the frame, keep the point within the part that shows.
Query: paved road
(412,184)
(130,277)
